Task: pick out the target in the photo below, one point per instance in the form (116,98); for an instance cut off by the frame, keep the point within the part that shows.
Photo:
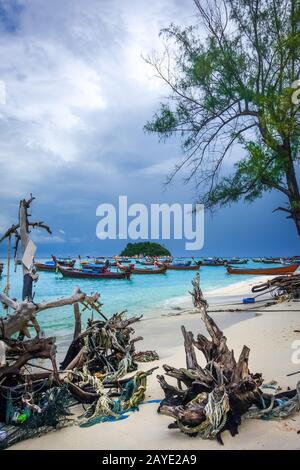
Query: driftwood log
(288,286)
(208,400)
(24,313)
(35,398)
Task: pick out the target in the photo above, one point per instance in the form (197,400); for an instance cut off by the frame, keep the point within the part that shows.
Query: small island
(145,249)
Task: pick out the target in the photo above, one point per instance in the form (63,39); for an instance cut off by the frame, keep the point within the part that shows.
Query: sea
(147,295)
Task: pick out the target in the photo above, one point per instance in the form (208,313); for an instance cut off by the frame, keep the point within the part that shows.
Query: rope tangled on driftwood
(281,286)
(215,397)
(215,410)
(107,409)
(279,408)
(92,372)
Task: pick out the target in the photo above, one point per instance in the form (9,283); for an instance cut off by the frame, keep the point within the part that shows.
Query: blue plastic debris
(249,300)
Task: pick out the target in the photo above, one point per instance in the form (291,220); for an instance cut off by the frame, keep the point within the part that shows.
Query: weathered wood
(191,360)
(241,371)
(24,351)
(77,315)
(26,311)
(24,230)
(216,396)
(78,360)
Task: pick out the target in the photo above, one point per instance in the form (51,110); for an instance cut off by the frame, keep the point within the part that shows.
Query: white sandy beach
(269,334)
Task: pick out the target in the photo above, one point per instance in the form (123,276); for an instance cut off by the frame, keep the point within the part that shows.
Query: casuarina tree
(233,81)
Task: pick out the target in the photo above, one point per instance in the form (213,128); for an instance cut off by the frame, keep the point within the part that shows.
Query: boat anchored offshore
(211,262)
(134,270)
(237,261)
(180,266)
(268,271)
(145,263)
(52,265)
(92,273)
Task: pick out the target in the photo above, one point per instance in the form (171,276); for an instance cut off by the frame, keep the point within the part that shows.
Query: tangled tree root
(210,400)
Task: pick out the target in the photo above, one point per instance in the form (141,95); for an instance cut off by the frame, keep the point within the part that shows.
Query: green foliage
(145,249)
(234,88)
(164,122)
(254,174)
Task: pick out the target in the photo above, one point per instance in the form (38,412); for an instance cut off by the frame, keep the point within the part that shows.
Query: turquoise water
(150,295)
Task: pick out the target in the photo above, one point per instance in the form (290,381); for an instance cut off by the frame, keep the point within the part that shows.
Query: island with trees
(145,249)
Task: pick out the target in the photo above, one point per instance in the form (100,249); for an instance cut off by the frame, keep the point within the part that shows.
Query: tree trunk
(25,312)
(293,187)
(24,232)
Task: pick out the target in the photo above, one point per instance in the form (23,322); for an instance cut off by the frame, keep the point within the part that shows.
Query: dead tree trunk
(217,395)
(24,227)
(77,315)
(25,312)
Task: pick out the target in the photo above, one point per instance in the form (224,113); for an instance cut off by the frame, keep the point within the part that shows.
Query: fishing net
(53,406)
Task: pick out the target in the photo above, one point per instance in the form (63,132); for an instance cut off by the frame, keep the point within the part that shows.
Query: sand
(270,336)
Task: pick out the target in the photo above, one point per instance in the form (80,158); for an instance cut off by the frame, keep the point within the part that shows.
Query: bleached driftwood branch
(25,312)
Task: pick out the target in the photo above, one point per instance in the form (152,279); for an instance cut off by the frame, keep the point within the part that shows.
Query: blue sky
(77,96)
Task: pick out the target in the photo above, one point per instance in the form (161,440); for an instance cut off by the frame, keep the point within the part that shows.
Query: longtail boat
(93,274)
(145,263)
(268,271)
(236,261)
(67,262)
(99,262)
(271,260)
(47,266)
(52,265)
(210,262)
(134,270)
(179,267)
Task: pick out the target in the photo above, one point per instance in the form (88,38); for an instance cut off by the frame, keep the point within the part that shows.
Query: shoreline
(231,292)
(269,335)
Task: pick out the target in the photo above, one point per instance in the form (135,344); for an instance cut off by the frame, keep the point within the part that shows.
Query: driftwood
(288,286)
(26,312)
(92,371)
(211,399)
(24,351)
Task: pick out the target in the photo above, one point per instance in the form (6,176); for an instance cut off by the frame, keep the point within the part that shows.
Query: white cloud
(77,95)
(38,237)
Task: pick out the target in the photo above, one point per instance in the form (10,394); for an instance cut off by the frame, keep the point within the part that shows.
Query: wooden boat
(99,262)
(134,270)
(123,259)
(236,261)
(52,265)
(47,266)
(179,267)
(210,262)
(67,262)
(145,263)
(271,261)
(256,260)
(268,271)
(94,267)
(93,274)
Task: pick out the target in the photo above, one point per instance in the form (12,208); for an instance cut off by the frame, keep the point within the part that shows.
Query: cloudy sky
(77,96)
